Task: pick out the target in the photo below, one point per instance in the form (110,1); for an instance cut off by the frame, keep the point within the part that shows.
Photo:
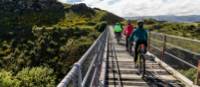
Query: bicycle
(142,61)
(118,36)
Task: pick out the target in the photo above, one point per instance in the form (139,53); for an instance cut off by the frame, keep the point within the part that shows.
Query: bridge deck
(120,70)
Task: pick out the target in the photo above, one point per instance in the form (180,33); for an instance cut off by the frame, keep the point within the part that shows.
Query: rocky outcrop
(82,8)
(34,5)
(26,13)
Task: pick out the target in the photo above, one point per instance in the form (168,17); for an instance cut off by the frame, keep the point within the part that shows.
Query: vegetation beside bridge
(40,41)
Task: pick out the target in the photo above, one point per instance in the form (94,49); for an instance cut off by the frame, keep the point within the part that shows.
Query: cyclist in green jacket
(139,36)
(118,30)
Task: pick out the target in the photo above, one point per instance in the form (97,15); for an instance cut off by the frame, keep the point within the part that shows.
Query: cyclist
(139,36)
(118,29)
(127,32)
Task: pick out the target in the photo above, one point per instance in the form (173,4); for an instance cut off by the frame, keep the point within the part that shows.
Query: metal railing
(85,73)
(180,53)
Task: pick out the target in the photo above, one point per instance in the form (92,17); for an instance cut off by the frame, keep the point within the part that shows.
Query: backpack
(118,28)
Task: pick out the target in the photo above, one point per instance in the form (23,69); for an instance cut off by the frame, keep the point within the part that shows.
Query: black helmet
(140,21)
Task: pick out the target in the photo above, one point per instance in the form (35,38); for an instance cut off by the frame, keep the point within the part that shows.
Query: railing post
(197,80)
(164,47)
(77,65)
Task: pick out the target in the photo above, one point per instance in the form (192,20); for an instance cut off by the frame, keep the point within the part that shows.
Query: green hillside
(17,14)
(189,30)
(41,39)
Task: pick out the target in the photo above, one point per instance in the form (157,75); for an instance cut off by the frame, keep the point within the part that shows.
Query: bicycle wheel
(139,64)
(142,65)
(118,40)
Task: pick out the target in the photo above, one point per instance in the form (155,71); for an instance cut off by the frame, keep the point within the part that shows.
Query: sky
(130,8)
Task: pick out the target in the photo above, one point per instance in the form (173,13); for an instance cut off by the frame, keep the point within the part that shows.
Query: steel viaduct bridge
(108,64)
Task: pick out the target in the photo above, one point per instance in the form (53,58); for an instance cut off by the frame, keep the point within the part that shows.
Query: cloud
(69,1)
(128,8)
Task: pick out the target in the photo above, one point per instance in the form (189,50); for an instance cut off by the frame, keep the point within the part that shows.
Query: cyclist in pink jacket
(127,32)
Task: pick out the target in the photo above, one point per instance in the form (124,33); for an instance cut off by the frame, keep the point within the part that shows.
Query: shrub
(36,77)
(91,23)
(101,26)
(7,80)
(190,73)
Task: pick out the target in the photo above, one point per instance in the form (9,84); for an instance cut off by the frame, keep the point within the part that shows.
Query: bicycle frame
(142,49)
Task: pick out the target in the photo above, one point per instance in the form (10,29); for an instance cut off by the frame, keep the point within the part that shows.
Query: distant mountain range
(171,18)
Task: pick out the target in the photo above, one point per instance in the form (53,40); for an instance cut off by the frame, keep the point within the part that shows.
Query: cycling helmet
(140,21)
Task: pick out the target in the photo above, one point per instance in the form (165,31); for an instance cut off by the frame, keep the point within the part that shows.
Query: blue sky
(129,8)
